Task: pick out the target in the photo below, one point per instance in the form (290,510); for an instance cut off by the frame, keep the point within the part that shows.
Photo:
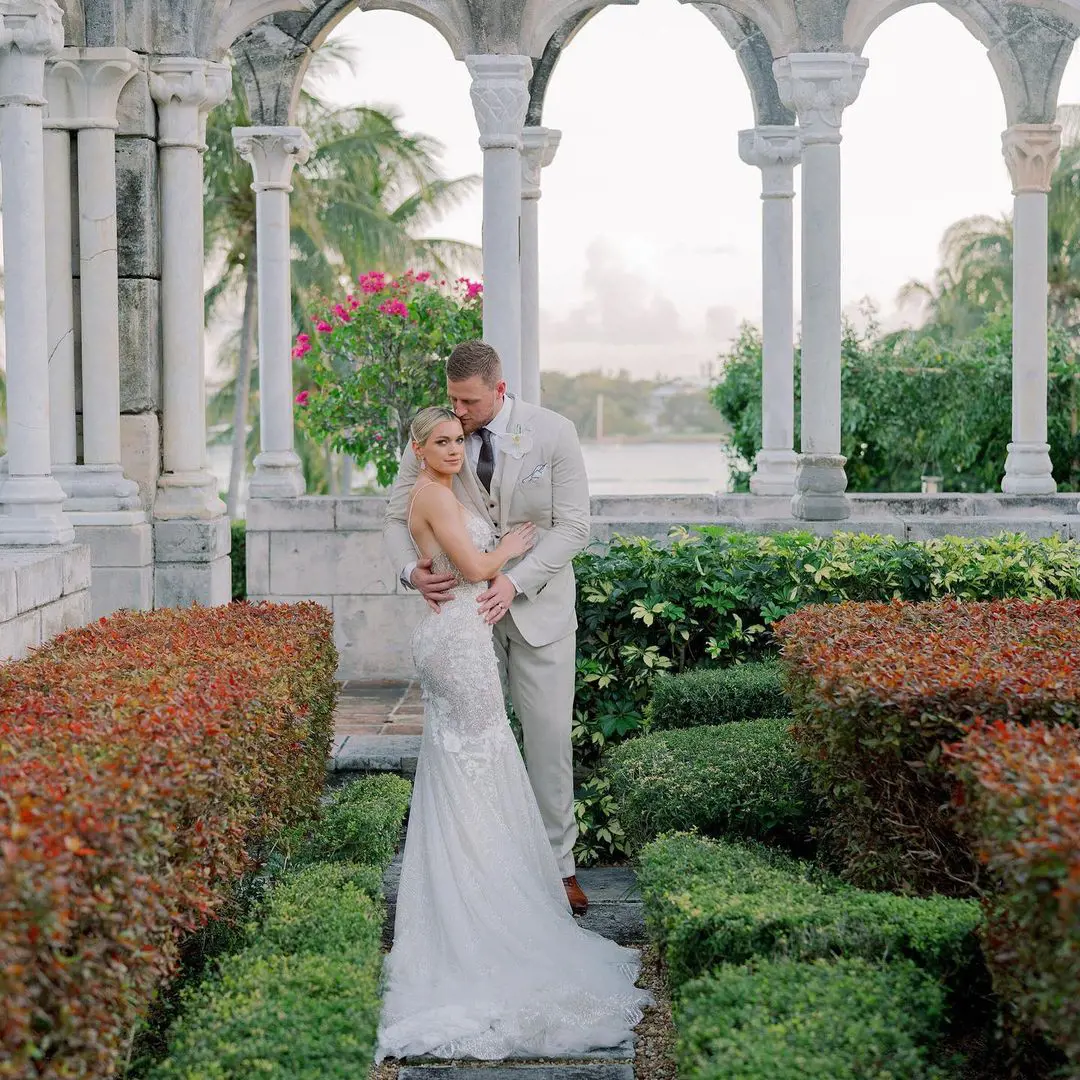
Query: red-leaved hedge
(1019,803)
(141,759)
(877,688)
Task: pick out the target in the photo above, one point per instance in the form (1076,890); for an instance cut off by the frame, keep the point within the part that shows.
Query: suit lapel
(509,467)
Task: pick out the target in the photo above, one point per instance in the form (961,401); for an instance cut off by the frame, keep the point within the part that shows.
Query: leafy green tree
(626,401)
(377,357)
(365,198)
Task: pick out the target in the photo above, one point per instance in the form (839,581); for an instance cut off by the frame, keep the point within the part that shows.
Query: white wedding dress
(487,960)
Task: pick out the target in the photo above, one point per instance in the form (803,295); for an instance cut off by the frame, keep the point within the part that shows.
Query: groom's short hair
(474,358)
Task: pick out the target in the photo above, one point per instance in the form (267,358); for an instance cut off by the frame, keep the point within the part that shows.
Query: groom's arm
(570,514)
(396,537)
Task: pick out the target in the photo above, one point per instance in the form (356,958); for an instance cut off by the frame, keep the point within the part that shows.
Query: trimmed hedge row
(301,1001)
(826,1020)
(142,757)
(708,696)
(877,688)
(742,778)
(1020,808)
(709,903)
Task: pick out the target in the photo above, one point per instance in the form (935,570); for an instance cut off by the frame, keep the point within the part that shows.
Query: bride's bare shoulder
(432,497)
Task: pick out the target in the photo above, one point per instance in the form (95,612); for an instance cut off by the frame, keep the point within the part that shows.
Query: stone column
(500,97)
(84,88)
(1031,153)
(818,87)
(59,294)
(272,152)
(185,90)
(538,151)
(31,500)
(191,532)
(775,151)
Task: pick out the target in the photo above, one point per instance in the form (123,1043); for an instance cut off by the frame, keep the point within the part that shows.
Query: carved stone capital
(775,150)
(83,86)
(30,31)
(538,146)
(500,97)
(818,87)
(186,89)
(1031,153)
(272,153)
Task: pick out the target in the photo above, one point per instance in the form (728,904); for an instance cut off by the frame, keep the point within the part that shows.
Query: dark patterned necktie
(485,465)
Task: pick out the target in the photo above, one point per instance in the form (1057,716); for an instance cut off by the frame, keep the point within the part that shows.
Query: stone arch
(544,65)
(752,50)
(74,22)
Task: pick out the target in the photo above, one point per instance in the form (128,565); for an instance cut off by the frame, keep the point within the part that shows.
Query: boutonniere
(516,443)
(536,474)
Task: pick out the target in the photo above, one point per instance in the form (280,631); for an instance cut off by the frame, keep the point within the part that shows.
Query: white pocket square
(536,474)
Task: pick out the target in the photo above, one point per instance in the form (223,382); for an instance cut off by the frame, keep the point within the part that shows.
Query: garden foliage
(709,903)
(747,691)
(710,597)
(877,689)
(142,759)
(377,357)
(745,778)
(1019,805)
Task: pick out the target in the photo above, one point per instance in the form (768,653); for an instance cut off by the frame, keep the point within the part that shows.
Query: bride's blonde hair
(427,420)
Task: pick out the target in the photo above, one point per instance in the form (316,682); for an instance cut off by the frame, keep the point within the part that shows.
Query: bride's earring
(423,464)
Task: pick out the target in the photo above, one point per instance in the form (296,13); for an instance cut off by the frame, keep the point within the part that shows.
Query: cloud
(620,306)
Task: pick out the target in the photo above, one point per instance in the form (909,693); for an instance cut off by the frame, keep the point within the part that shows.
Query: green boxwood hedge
(846,1019)
(717,695)
(709,903)
(741,779)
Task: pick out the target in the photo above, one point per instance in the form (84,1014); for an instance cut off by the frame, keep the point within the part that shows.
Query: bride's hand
(519,540)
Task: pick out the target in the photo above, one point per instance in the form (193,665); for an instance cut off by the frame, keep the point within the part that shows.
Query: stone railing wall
(331,550)
(43,591)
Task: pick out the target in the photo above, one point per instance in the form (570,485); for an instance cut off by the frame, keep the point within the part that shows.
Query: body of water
(617,468)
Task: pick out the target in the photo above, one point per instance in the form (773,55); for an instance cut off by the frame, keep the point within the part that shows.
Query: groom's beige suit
(539,477)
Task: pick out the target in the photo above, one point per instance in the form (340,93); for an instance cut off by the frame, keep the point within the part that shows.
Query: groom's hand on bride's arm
(496,600)
(436,589)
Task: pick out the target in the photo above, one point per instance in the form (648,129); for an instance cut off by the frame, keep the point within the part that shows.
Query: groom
(524,463)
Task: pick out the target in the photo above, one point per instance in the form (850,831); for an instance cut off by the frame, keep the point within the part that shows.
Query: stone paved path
(377,727)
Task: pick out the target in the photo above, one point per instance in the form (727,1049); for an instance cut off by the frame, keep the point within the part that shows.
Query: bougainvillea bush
(376,357)
(877,688)
(142,759)
(1019,804)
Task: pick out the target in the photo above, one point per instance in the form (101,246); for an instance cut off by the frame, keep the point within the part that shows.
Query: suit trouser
(541,684)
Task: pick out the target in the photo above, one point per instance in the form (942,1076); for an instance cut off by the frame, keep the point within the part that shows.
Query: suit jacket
(539,477)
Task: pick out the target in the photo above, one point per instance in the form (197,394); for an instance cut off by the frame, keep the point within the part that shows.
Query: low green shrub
(742,779)
(823,1020)
(238,557)
(302,1016)
(709,903)
(716,695)
(326,908)
(362,824)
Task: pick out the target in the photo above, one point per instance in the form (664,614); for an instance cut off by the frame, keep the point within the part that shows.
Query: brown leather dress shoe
(579,902)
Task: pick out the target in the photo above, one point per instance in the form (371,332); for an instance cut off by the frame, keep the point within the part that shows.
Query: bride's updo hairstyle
(427,420)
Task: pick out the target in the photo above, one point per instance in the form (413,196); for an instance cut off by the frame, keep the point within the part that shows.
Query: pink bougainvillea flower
(302,398)
(394,307)
(353,302)
(423,276)
(342,313)
(474,288)
(323,327)
(372,282)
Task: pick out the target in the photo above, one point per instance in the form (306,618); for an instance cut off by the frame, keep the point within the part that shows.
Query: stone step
(376,753)
(554,1071)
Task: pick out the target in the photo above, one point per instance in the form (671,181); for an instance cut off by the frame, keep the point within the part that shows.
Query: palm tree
(974,280)
(361,202)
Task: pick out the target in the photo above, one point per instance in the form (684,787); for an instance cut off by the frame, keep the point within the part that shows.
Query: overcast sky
(650,223)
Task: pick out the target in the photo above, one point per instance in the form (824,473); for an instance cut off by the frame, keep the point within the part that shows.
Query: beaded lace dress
(487,960)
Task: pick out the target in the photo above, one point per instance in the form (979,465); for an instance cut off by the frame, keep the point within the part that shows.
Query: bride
(487,960)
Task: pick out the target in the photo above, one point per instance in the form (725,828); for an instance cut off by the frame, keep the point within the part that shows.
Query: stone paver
(554,1071)
(378,708)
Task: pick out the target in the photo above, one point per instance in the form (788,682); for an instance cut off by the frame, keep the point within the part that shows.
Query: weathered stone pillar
(818,87)
(272,152)
(191,534)
(84,88)
(1031,153)
(775,151)
(538,151)
(500,97)
(31,500)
